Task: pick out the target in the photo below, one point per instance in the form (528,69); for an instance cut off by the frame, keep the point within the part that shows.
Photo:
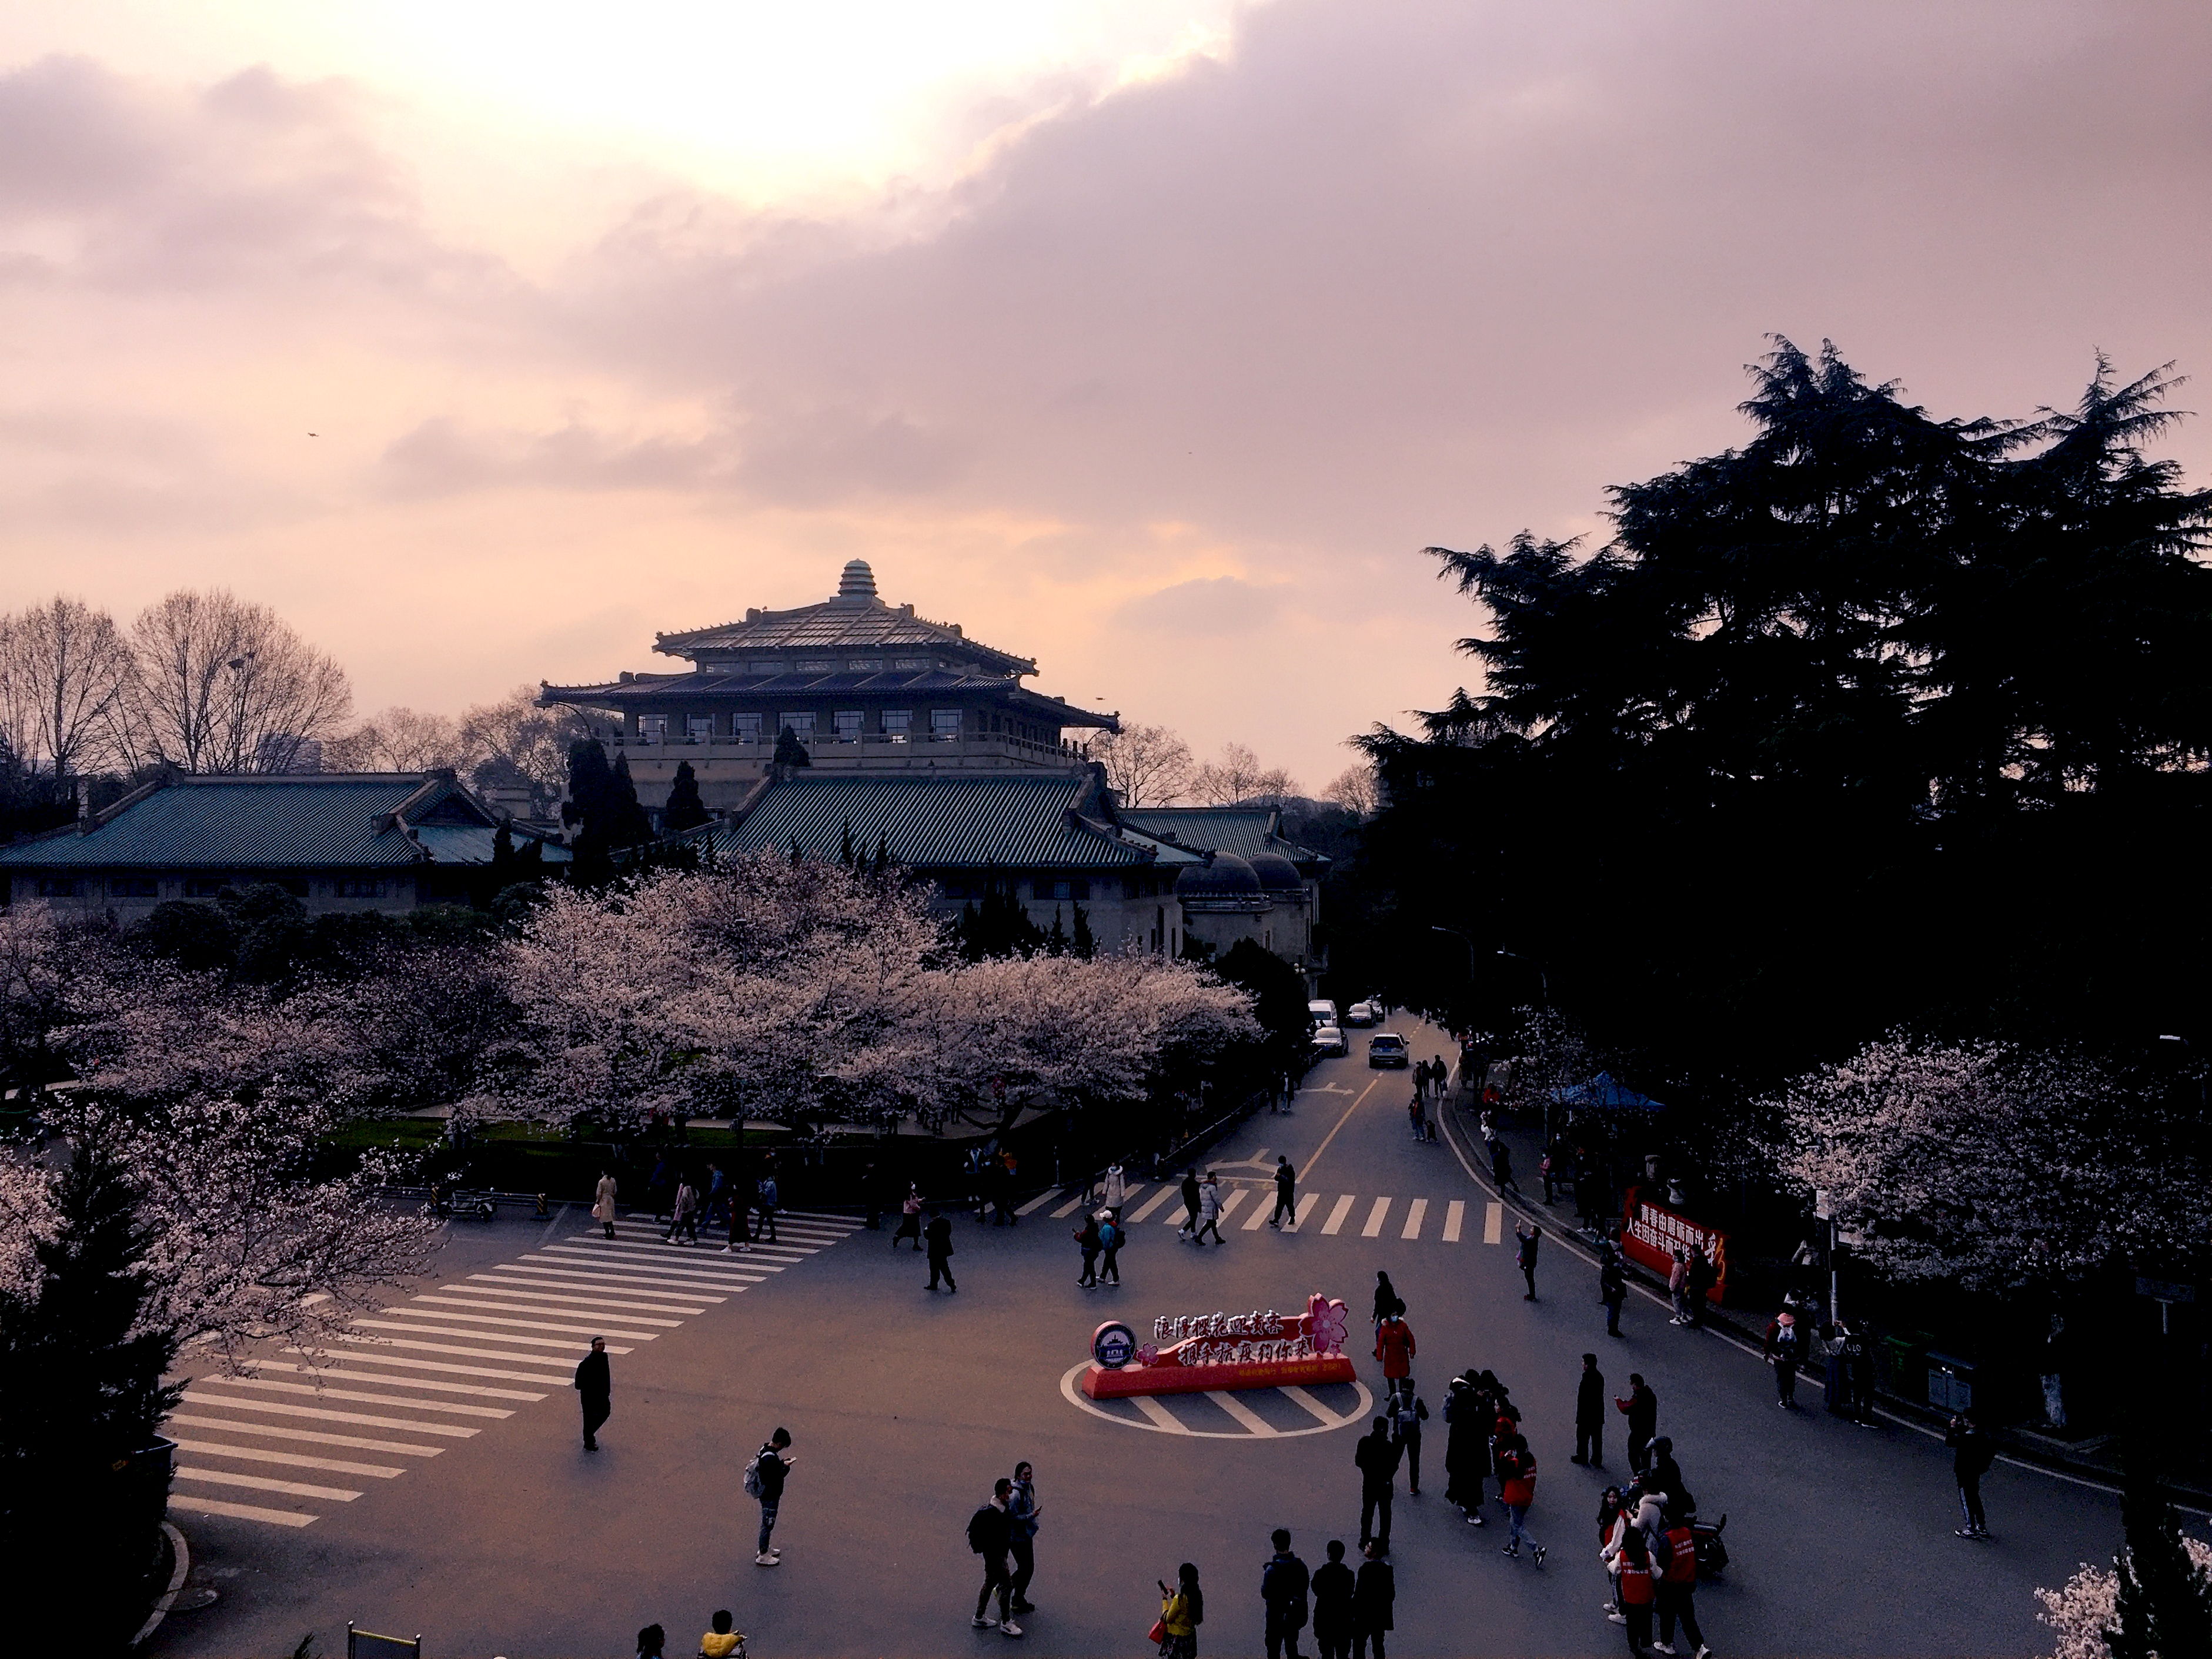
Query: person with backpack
(1209,1208)
(1641,1408)
(1333,1585)
(1407,1412)
(1612,1517)
(1086,1240)
(1372,1598)
(939,1236)
(1784,1349)
(1376,1459)
(989,1530)
(1182,1610)
(1628,1558)
(1189,1229)
(1111,1238)
(1287,1194)
(1676,1589)
(1517,1489)
(1022,1511)
(1283,1584)
(764,1478)
(1974,1451)
(768,1201)
(1612,1290)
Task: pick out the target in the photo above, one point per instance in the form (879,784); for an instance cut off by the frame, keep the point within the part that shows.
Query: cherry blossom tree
(2083,1612)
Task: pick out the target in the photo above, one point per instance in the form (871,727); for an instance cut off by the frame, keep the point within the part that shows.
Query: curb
(181,1569)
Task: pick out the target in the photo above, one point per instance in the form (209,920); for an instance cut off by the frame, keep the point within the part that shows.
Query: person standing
(910,1217)
(1117,1190)
(1613,1290)
(1377,1458)
(1209,1208)
(603,1202)
(1467,1418)
(1974,1451)
(744,1189)
(1678,1286)
(1110,1238)
(1394,1345)
(1590,1415)
(769,1200)
(595,1388)
(1628,1558)
(1700,1281)
(1676,1592)
(1333,1585)
(1022,1511)
(1386,1297)
(1524,1256)
(1086,1240)
(1785,1348)
(989,1530)
(1641,1408)
(1501,1169)
(1286,1192)
(1409,1411)
(1372,1598)
(771,1468)
(1189,1228)
(1517,1489)
(1283,1585)
(1182,1610)
(938,1237)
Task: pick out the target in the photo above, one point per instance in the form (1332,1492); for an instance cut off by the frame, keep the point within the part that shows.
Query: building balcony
(869,751)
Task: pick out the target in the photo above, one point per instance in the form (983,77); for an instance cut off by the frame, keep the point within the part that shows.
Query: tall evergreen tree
(791,750)
(2164,1609)
(1082,941)
(685,810)
(626,823)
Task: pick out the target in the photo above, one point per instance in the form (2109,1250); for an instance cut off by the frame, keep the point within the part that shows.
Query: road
(904,1406)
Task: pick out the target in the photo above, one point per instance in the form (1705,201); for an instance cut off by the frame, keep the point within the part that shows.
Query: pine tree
(685,810)
(790,750)
(1055,941)
(626,823)
(589,778)
(2164,1609)
(881,863)
(1084,943)
(845,846)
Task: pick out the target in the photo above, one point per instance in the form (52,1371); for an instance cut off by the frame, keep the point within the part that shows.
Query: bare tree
(513,743)
(1146,765)
(223,685)
(1238,776)
(63,670)
(397,740)
(1356,790)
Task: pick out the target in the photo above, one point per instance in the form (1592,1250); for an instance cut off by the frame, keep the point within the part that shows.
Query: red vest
(1683,1568)
(1634,1583)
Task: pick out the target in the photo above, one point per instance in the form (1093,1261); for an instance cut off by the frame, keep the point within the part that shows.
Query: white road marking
(1261,1212)
(418,1382)
(1298,1396)
(1493,1223)
(440,1366)
(1340,1122)
(323,1414)
(1039,1201)
(1454,1215)
(1374,1227)
(383,1342)
(1160,1414)
(1415,1215)
(1334,1225)
(259,1483)
(312,1436)
(1235,1195)
(290,1460)
(1068,1208)
(639,1258)
(563,1270)
(1243,1413)
(1303,1213)
(653,1301)
(483,1313)
(560,1344)
(194,1505)
(1153,1203)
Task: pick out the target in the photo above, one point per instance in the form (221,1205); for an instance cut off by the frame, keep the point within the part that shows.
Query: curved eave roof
(837,624)
(672,691)
(981,822)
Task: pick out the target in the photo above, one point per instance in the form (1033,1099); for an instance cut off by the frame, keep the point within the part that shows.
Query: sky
(1153,341)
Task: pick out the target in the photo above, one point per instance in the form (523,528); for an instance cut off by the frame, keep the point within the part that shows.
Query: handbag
(1159,1633)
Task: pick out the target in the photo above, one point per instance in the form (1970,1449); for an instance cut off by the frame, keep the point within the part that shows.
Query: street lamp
(1542,978)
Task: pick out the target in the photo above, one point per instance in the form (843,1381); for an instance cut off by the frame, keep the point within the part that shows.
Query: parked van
(1321,1014)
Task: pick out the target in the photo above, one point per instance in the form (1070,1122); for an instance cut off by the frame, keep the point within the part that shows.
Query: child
(720,1641)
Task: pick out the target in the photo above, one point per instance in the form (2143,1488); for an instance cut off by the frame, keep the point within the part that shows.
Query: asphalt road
(904,1405)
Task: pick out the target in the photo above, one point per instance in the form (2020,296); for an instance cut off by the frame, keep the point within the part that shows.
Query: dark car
(1386,1048)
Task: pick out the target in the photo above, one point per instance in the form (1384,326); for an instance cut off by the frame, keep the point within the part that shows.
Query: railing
(886,745)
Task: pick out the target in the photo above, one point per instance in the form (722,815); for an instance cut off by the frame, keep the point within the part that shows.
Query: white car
(1363,1014)
(1329,1040)
(1321,1014)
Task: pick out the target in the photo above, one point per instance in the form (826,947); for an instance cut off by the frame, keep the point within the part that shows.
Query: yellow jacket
(1175,1613)
(716,1646)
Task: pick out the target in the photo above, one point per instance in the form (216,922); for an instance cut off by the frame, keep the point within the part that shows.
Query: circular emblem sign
(1113,1344)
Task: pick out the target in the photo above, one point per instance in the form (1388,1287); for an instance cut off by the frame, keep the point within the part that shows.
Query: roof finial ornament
(857,582)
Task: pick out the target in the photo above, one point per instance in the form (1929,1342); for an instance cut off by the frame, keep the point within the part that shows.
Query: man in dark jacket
(1700,1281)
(595,1387)
(1333,1587)
(938,1237)
(1590,1415)
(1372,1598)
(1283,1588)
(989,1532)
(1641,1410)
(1467,1418)
(1377,1456)
(1974,1452)
(1613,1290)
(1287,1194)
(1189,1228)
(771,1467)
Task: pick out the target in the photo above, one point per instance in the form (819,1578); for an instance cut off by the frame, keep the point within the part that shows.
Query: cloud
(1204,605)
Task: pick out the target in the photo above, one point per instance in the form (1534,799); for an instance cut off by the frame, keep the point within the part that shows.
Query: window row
(202,887)
(845,725)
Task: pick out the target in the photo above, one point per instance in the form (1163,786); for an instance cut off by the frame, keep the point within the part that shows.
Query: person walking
(1110,1240)
(769,1200)
(989,1530)
(1676,1592)
(1517,1489)
(1209,1208)
(938,1237)
(1784,1349)
(1022,1512)
(744,1189)
(1972,1452)
(910,1217)
(1189,1228)
(1182,1610)
(1641,1408)
(1550,1167)
(1524,1255)
(1377,1458)
(686,1213)
(1613,1290)
(603,1202)
(1115,1192)
(1590,1415)
(1409,1411)
(1501,1169)
(1678,1286)
(1701,1279)
(764,1478)
(1283,1585)
(595,1388)
(1286,1193)
(1467,1418)
(1373,1596)
(1386,1297)
(1333,1585)
(1086,1240)
(1394,1345)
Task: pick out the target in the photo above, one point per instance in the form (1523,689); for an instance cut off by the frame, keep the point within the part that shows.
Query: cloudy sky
(1153,340)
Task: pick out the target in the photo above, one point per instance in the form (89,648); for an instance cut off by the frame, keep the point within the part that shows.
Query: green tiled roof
(1012,822)
(1239,829)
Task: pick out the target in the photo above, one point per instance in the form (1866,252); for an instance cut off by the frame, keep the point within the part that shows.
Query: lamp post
(1543,979)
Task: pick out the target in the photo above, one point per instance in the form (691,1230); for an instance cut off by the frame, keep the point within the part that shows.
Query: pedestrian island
(1201,1352)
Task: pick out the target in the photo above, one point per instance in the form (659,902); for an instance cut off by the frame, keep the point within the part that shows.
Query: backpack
(767,1192)
(1109,1236)
(752,1476)
(980,1527)
(1661,1552)
(1788,1345)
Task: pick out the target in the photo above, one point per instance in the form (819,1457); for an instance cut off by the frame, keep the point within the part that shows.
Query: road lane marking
(1340,1122)
(1493,1223)
(1454,1214)
(1152,1204)
(325,1390)
(485,1309)
(402,1362)
(194,1505)
(1300,1215)
(289,1460)
(658,1302)
(560,1344)
(1374,1227)
(1159,1414)
(1068,1208)
(323,1414)
(1261,1213)
(381,1342)
(261,1483)
(1236,1195)
(312,1436)
(1039,1201)
(1298,1396)
(1243,1413)
(1415,1215)
(1334,1225)
(573,1279)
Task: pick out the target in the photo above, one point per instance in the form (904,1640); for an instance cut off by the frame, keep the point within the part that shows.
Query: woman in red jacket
(1394,1346)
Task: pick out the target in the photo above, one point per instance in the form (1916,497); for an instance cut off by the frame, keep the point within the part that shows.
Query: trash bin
(1950,1383)
(1903,1367)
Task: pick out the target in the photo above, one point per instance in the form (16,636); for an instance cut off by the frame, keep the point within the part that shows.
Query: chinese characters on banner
(1649,1232)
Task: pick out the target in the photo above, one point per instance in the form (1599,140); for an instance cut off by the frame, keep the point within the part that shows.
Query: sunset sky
(1152,340)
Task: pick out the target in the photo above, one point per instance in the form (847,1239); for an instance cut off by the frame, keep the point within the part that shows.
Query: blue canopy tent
(1605,1093)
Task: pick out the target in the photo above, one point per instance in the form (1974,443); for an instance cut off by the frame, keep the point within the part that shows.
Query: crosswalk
(1249,1209)
(300,1430)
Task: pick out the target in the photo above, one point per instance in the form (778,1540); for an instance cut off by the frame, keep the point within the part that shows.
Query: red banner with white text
(1649,1233)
